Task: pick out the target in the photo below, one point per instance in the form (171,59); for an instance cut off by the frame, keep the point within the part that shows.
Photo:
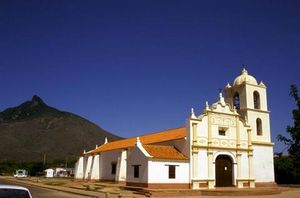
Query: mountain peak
(34,126)
(36,100)
(27,110)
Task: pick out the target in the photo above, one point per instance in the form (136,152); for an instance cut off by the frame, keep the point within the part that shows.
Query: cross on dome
(244,77)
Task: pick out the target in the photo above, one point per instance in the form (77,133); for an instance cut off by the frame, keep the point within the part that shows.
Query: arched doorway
(224,171)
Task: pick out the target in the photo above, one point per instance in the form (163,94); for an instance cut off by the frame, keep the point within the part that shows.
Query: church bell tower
(250,100)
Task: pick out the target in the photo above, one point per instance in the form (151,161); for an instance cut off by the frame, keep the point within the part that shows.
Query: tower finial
(228,85)
(192,113)
(138,141)
(206,105)
(221,99)
(244,71)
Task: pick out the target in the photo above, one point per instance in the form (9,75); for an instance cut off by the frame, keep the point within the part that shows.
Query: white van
(21,173)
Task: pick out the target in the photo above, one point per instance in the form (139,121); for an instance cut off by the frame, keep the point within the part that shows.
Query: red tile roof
(162,136)
(164,152)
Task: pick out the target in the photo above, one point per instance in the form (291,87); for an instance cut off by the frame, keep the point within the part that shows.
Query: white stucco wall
(136,157)
(244,166)
(159,171)
(263,163)
(107,158)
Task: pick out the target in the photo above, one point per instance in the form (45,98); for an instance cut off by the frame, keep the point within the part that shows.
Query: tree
(287,168)
(293,141)
(286,171)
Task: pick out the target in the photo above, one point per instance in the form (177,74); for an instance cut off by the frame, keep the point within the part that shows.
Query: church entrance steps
(232,191)
(225,191)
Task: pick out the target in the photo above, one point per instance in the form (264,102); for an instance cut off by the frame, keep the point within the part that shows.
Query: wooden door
(224,171)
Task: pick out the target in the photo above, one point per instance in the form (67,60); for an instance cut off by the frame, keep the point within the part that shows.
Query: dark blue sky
(134,67)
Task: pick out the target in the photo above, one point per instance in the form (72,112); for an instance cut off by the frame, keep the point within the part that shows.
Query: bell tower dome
(250,100)
(244,77)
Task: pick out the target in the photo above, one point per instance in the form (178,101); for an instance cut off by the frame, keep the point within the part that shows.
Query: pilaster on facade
(121,167)
(211,183)
(252,183)
(209,138)
(251,172)
(195,174)
(238,132)
(79,174)
(249,132)
(195,184)
(117,176)
(85,161)
(95,168)
(239,168)
(211,179)
(250,159)
(88,168)
(194,128)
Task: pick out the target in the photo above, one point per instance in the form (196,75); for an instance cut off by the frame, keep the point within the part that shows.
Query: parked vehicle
(21,173)
(11,191)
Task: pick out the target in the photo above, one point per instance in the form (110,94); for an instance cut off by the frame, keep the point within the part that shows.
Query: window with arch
(236,100)
(258,127)
(256,100)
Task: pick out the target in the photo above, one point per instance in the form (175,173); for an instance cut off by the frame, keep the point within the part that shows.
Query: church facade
(229,144)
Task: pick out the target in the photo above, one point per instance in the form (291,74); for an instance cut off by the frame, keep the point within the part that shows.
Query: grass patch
(55,183)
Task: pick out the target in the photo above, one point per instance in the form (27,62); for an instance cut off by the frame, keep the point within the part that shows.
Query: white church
(229,144)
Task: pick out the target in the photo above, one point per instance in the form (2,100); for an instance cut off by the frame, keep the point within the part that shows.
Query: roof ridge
(160,131)
(152,133)
(159,145)
(150,138)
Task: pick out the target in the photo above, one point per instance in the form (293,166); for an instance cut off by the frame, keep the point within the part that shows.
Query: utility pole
(66,164)
(44,162)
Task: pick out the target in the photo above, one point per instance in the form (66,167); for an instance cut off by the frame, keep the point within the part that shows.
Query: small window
(236,100)
(172,171)
(113,168)
(222,131)
(256,100)
(136,171)
(259,127)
